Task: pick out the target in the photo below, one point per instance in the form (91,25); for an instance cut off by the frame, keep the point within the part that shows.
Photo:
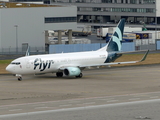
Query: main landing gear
(59,74)
(79,76)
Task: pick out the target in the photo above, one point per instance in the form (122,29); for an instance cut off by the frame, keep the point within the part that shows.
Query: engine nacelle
(72,71)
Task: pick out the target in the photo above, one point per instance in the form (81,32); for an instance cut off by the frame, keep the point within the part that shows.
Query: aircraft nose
(9,68)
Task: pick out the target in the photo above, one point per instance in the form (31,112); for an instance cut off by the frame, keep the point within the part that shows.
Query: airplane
(72,64)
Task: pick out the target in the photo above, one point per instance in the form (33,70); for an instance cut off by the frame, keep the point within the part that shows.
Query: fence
(158,45)
(33,50)
(143,44)
(85,47)
(65,48)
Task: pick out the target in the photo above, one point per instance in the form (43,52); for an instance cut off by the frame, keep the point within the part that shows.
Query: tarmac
(126,93)
(94,83)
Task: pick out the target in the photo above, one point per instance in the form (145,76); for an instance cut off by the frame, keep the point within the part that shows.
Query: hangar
(23,24)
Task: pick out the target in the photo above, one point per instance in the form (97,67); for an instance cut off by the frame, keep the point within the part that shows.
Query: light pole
(156,24)
(16,26)
(101,31)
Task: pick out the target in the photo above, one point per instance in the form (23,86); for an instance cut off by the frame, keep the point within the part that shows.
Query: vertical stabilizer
(115,41)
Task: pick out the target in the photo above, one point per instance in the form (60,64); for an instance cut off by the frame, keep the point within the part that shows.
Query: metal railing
(22,51)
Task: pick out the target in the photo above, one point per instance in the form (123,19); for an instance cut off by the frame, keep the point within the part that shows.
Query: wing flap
(105,64)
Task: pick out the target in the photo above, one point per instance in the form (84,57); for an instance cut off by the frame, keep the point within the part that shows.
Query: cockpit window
(15,63)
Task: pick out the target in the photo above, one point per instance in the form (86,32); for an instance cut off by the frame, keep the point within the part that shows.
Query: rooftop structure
(24,5)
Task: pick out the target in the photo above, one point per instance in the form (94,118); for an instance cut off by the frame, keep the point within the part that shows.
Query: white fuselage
(52,63)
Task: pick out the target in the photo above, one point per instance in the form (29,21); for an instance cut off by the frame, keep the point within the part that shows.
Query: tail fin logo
(115,41)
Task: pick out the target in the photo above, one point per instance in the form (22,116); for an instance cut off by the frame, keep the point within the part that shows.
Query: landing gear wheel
(79,76)
(59,74)
(19,78)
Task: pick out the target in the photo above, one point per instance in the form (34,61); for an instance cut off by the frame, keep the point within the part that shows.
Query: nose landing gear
(19,77)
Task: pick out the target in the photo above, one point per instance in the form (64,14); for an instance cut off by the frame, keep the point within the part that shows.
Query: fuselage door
(27,63)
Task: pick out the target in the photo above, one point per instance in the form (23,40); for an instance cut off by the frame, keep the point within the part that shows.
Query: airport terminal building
(23,24)
(109,12)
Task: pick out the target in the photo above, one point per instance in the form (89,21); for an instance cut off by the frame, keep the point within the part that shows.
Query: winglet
(28,51)
(144,57)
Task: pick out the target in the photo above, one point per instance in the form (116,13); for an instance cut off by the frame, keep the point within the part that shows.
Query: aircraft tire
(19,78)
(59,74)
(79,76)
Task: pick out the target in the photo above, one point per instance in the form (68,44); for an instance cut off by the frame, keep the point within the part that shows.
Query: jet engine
(72,71)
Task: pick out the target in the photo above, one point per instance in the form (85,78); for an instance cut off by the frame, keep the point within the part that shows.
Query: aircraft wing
(116,63)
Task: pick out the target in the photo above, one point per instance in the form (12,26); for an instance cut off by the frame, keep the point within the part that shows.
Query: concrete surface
(98,87)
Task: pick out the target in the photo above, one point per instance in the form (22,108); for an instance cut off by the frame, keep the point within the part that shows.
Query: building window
(60,19)
(133,1)
(46,1)
(149,1)
(138,10)
(106,1)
